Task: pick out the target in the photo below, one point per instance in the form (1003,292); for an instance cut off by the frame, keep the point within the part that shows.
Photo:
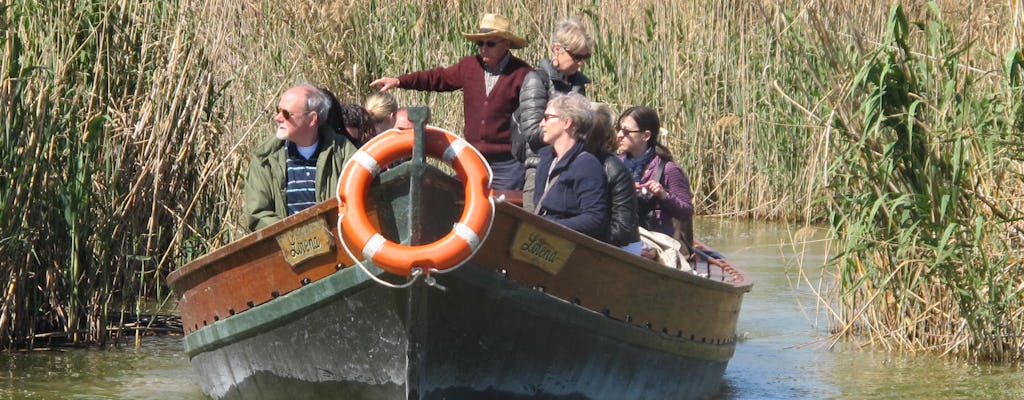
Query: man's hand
(385,83)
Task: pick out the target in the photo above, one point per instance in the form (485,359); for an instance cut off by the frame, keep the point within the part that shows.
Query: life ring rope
(415,273)
(447,253)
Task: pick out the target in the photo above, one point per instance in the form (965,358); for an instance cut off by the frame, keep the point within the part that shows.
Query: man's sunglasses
(481,43)
(287,114)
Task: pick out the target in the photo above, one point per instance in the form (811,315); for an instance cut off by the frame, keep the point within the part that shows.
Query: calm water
(784,356)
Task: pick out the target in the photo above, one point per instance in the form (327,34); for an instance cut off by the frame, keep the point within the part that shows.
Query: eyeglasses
(288,114)
(577,57)
(628,131)
(481,43)
(549,116)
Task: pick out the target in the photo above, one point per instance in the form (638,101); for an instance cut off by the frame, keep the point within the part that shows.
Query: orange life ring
(448,252)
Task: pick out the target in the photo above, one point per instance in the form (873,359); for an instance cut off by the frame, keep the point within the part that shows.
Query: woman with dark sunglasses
(663,190)
(571,185)
(571,46)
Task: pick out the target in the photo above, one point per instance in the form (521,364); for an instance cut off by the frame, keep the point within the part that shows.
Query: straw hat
(494,25)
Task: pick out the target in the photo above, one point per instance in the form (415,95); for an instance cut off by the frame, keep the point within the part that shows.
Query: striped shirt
(300,192)
(491,76)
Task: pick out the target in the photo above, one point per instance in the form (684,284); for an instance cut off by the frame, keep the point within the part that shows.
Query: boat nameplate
(305,241)
(546,251)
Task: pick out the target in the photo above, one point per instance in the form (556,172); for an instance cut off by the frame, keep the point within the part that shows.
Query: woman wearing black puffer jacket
(623,230)
(570,48)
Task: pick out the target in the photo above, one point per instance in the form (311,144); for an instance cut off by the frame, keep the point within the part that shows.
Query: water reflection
(158,370)
(786,353)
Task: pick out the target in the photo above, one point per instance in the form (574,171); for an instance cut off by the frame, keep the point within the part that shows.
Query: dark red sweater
(487,117)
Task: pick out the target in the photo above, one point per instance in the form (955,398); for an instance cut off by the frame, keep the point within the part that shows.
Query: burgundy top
(487,117)
(679,203)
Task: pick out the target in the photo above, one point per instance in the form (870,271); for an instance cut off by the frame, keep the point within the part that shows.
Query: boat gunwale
(226,331)
(195,266)
(740,283)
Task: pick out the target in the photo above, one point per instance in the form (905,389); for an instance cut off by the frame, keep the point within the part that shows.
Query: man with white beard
(300,165)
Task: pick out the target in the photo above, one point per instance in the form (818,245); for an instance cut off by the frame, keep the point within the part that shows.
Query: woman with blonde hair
(382,108)
(571,47)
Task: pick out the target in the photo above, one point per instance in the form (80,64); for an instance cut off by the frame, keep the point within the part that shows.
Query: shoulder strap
(683,229)
(659,171)
(553,177)
(547,189)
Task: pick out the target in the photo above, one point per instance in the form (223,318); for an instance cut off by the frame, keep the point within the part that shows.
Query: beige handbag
(668,248)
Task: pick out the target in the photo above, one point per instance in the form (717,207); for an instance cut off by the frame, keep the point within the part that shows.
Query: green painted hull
(485,336)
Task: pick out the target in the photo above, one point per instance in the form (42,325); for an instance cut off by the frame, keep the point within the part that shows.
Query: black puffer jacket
(622,202)
(533,99)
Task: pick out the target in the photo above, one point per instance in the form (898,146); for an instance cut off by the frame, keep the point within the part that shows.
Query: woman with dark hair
(358,124)
(663,190)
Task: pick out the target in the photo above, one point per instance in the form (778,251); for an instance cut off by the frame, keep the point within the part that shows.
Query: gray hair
(317,101)
(576,108)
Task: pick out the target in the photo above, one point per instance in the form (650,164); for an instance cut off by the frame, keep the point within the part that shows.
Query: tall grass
(107,116)
(128,126)
(924,196)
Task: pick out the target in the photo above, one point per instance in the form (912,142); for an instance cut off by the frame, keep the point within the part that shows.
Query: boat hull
(483,337)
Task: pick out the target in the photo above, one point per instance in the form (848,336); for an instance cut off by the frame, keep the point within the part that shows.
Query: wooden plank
(608,280)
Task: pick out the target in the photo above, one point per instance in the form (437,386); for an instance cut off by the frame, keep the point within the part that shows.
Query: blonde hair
(381,106)
(572,35)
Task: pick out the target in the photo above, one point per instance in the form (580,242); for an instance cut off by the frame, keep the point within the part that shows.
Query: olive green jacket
(265,183)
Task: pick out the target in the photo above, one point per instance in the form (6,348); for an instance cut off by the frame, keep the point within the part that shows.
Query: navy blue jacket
(579,197)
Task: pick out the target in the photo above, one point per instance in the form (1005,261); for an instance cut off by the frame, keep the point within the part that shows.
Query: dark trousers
(508,174)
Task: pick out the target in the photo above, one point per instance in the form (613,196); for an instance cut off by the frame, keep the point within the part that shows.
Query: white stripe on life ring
(453,150)
(467,234)
(367,161)
(373,246)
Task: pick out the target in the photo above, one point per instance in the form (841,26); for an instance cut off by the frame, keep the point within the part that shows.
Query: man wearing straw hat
(490,83)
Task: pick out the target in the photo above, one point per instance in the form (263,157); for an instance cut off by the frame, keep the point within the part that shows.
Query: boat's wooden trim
(288,306)
(251,271)
(611,281)
(294,305)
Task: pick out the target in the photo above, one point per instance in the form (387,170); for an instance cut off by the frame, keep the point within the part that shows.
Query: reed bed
(129,124)
(924,190)
(107,125)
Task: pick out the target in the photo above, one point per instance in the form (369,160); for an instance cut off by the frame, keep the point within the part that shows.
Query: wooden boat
(538,311)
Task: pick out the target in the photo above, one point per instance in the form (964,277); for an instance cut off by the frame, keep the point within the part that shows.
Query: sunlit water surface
(785,353)
(157,370)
